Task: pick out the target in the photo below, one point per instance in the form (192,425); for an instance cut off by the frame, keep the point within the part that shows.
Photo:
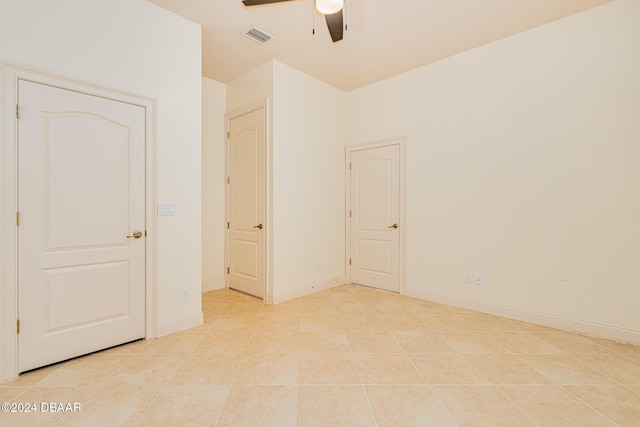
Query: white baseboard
(181,324)
(307,290)
(213,285)
(595,329)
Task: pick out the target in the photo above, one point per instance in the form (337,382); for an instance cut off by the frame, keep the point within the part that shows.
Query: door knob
(258,226)
(393,226)
(136,235)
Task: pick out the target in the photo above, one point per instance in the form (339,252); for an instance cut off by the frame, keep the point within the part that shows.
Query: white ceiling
(384,37)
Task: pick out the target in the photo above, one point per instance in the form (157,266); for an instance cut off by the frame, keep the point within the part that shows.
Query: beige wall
(136,47)
(254,86)
(309,136)
(305,176)
(214,98)
(524,166)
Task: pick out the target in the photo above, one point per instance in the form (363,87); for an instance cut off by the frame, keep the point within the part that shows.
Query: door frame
(401,142)
(267,212)
(10,74)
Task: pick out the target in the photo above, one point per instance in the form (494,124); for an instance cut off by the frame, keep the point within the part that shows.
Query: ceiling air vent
(258,35)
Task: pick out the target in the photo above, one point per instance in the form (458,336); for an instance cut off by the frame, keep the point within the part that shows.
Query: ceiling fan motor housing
(332,10)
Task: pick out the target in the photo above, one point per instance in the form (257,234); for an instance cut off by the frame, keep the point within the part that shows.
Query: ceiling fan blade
(336,25)
(261,2)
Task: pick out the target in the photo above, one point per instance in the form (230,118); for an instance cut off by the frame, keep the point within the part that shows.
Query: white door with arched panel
(375,217)
(246,202)
(81,234)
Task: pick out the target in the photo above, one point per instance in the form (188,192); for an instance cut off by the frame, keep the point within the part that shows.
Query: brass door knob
(136,235)
(258,226)
(393,226)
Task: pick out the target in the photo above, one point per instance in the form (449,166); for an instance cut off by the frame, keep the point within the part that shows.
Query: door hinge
(18,326)
(349,166)
(349,261)
(228,180)
(349,214)
(145,233)
(18,219)
(17,111)
(228,134)
(227,225)
(227,270)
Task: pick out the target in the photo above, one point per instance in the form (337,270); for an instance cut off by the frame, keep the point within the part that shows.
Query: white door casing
(246,228)
(375,216)
(81,192)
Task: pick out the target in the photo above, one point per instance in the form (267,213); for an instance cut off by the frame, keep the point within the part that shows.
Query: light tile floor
(350,356)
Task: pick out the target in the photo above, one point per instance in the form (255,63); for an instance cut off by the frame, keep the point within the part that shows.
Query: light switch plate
(166,208)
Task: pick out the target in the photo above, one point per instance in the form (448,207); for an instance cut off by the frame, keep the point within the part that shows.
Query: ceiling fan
(331,9)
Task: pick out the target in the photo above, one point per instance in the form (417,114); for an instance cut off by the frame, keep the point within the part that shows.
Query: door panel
(375,256)
(245,154)
(375,193)
(246,203)
(81,192)
(94,286)
(245,260)
(375,208)
(99,151)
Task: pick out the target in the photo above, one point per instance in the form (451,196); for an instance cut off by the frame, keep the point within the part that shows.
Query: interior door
(246,226)
(81,199)
(375,217)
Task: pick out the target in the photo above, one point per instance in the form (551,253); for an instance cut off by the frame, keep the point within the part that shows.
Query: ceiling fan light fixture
(329,7)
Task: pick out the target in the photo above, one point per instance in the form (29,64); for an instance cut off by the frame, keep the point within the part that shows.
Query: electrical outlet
(185,294)
(479,279)
(469,278)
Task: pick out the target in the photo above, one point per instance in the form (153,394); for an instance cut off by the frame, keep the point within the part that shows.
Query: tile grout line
(588,405)
(149,405)
(427,384)
(522,411)
(166,384)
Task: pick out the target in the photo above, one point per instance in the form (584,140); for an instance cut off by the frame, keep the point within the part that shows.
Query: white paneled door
(246,192)
(81,237)
(375,217)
